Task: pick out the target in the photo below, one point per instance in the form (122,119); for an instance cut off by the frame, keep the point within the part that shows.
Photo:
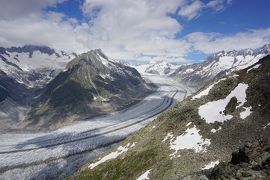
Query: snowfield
(59,153)
(205,92)
(254,67)
(210,165)
(144,176)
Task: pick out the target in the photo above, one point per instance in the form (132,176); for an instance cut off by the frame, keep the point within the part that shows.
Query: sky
(183,31)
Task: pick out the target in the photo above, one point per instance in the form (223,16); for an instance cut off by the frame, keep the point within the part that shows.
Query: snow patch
(213,111)
(188,124)
(206,91)
(168,136)
(266,125)
(144,176)
(190,139)
(187,71)
(245,113)
(210,165)
(216,130)
(112,155)
(254,67)
(106,76)
(104,61)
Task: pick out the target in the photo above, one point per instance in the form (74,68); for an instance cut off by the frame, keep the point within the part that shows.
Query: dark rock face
(30,49)
(252,161)
(241,156)
(9,88)
(231,106)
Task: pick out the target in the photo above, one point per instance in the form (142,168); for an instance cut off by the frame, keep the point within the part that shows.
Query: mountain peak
(94,57)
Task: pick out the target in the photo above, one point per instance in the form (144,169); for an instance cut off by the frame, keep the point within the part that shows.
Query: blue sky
(177,30)
(240,16)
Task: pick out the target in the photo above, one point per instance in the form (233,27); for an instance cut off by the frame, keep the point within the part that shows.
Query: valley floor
(59,153)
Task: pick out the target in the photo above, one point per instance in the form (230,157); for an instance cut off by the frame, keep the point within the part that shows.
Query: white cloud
(127,29)
(214,42)
(11,9)
(123,29)
(39,30)
(191,11)
(217,5)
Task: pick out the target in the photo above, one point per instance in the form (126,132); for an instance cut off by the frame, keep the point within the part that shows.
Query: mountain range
(218,65)
(214,67)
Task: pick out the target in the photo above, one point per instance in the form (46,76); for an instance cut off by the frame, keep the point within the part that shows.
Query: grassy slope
(151,153)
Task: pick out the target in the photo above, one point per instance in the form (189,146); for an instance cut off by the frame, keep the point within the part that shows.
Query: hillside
(218,65)
(92,84)
(195,135)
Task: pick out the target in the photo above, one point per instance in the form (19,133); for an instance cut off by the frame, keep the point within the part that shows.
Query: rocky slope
(218,65)
(197,134)
(251,161)
(92,84)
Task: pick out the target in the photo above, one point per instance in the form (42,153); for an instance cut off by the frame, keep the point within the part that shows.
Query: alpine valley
(39,85)
(134,90)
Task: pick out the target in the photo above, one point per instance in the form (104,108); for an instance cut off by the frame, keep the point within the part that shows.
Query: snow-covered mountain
(43,87)
(219,64)
(157,67)
(89,85)
(33,66)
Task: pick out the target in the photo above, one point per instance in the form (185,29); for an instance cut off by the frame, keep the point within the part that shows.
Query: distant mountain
(91,84)
(157,67)
(219,65)
(31,65)
(200,133)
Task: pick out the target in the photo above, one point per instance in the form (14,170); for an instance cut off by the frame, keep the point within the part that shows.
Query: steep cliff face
(197,134)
